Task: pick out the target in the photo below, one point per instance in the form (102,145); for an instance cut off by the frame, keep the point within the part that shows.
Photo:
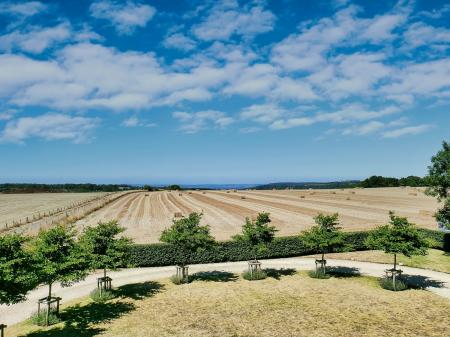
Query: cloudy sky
(229,91)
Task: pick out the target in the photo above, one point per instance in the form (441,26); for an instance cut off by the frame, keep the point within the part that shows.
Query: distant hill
(308,185)
(61,188)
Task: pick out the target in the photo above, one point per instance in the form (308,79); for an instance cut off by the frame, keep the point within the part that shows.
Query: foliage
(318,274)
(439,173)
(188,236)
(326,236)
(308,185)
(443,214)
(106,250)
(379,181)
(388,284)
(176,279)
(58,257)
(17,273)
(56,188)
(256,275)
(398,237)
(101,296)
(257,233)
(174,188)
(148,188)
(39,318)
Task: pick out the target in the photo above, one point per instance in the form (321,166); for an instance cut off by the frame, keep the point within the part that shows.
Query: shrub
(159,254)
(176,279)
(39,319)
(102,297)
(388,284)
(256,275)
(318,274)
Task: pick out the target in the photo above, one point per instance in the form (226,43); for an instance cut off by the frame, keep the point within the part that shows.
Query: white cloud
(364,129)
(36,39)
(226,19)
(136,122)
(179,41)
(201,120)
(7,114)
(22,9)
(125,18)
(262,113)
(408,130)
(420,34)
(51,126)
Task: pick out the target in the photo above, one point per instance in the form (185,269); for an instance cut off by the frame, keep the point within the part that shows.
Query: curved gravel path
(436,282)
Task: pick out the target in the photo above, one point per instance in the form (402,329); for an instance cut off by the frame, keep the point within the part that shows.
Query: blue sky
(221,91)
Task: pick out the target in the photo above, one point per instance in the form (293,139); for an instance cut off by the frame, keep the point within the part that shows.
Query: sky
(229,91)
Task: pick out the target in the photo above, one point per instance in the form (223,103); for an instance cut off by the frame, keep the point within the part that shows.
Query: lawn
(285,304)
(435,260)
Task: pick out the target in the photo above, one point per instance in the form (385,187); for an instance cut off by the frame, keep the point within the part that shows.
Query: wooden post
(2,330)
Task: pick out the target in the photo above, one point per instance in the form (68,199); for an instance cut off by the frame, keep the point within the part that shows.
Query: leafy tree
(105,248)
(188,236)
(17,272)
(398,237)
(58,257)
(257,233)
(439,182)
(147,188)
(439,173)
(174,188)
(325,237)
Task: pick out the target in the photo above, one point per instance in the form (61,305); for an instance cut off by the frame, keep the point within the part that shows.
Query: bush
(256,275)
(178,280)
(318,274)
(160,254)
(39,319)
(102,297)
(388,284)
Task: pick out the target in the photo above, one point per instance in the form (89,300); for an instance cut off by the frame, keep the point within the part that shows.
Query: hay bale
(302,196)
(426,213)
(333,192)
(178,215)
(352,192)
(203,192)
(348,198)
(180,194)
(228,191)
(412,193)
(242,197)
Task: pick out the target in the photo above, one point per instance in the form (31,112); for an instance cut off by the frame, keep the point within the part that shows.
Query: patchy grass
(435,260)
(293,305)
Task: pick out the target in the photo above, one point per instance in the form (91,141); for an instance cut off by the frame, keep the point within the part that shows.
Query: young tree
(17,273)
(258,234)
(105,248)
(438,180)
(188,236)
(325,237)
(398,237)
(58,257)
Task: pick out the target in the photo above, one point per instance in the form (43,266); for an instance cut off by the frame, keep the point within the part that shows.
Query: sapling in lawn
(187,236)
(17,271)
(107,250)
(258,234)
(324,237)
(58,258)
(397,237)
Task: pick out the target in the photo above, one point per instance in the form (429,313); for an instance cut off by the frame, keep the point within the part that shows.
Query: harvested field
(145,214)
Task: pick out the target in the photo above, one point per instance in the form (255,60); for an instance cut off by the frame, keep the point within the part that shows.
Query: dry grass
(292,306)
(435,260)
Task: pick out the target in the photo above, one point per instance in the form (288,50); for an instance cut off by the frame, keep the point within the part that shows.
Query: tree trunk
(323,263)
(395,261)
(104,272)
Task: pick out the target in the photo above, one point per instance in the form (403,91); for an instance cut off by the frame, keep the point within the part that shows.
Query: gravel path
(436,282)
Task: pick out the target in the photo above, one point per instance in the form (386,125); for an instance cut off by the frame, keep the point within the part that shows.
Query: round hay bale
(243,197)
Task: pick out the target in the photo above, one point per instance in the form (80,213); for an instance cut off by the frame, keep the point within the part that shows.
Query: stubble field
(146,214)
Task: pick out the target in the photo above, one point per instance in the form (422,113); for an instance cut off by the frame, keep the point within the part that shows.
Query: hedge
(160,254)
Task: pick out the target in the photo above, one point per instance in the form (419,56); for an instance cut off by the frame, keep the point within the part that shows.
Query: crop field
(146,214)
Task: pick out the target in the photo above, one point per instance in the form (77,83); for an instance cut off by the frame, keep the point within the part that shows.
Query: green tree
(104,246)
(17,272)
(325,237)
(147,188)
(438,180)
(257,233)
(58,257)
(398,237)
(187,236)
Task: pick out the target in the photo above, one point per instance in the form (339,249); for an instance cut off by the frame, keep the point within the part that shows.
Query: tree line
(380,181)
(58,188)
